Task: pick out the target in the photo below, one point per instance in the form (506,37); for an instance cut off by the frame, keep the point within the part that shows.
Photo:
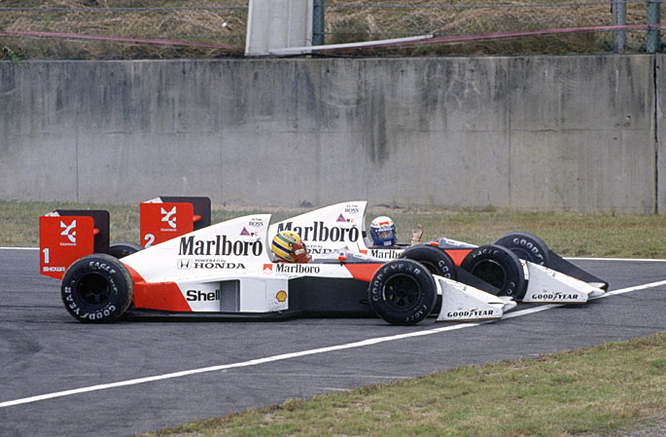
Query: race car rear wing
(67,235)
(167,217)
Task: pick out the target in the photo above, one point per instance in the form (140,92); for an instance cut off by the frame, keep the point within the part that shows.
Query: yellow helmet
(283,245)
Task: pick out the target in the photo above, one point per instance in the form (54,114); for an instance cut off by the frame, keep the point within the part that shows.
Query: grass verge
(602,389)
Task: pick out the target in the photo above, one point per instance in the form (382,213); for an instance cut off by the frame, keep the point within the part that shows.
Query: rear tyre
(122,249)
(499,267)
(436,260)
(527,246)
(97,289)
(402,292)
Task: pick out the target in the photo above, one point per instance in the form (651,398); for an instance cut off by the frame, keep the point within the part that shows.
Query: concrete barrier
(576,133)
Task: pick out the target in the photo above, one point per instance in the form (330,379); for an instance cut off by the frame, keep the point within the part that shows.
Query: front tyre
(499,267)
(402,292)
(435,260)
(97,289)
(527,246)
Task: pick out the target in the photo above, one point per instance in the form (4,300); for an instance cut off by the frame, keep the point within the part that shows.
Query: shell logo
(281,296)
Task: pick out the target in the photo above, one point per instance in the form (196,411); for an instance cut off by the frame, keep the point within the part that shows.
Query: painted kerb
(576,133)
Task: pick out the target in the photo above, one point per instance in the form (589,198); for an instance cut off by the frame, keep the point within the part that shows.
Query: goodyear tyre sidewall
(515,280)
(527,246)
(436,260)
(422,279)
(101,269)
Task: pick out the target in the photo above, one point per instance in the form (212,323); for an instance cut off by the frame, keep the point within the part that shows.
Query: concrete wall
(574,133)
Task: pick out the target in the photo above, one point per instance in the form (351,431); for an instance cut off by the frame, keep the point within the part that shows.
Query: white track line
(283,357)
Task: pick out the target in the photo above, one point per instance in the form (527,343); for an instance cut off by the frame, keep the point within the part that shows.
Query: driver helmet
(382,231)
(283,245)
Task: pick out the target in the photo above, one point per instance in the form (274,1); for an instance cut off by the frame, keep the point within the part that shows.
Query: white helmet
(382,231)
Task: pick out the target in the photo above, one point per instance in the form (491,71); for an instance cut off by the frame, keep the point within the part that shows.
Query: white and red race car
(227,271)
(519,264)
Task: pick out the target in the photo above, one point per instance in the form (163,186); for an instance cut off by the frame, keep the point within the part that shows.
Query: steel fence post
(619,13)
(318,23)
(653,16)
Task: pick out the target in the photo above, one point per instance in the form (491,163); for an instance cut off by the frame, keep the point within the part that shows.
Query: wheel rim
(491,272)
(94,289)
(401,293)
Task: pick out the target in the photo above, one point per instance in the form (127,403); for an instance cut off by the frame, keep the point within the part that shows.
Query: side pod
(462,302)
(550,286)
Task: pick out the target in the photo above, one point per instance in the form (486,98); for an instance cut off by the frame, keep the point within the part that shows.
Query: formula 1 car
(519,264)
(226,271)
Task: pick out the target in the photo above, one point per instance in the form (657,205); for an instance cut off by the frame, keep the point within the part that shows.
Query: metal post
(318,23)
(619,13)
(653,39)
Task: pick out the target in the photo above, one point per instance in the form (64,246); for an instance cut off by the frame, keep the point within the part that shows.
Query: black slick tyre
(527,246)
(402,292)
(499,267)
(124,248)
(97,289)
(436,260)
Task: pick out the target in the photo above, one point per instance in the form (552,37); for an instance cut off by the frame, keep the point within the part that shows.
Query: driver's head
(382,231)
(288,246)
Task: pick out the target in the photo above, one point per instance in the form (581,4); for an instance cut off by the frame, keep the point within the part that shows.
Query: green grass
(602,389)
(613,386)
(569,234)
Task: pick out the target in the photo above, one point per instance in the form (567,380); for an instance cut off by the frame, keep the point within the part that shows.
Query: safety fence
(130,29)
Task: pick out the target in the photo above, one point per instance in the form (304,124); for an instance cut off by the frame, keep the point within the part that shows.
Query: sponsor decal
(268,269)
(558,296)
(474,312)
(69,232)
(208,264)
(318,250)
(341,218)
(220,246)
(320,232)
(385,253)
(296,268)
(255,223)
(352,209)
(169,217)
(202,296)
(281,296)
(185,264)
(53,269)
(244,232)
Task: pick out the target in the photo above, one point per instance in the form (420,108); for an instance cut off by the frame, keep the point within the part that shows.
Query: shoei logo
(69,232)
(169,217)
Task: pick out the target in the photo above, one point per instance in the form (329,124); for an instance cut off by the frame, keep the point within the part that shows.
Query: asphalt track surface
(59,377)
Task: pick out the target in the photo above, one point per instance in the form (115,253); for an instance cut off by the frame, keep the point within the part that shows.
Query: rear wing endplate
(67,235)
